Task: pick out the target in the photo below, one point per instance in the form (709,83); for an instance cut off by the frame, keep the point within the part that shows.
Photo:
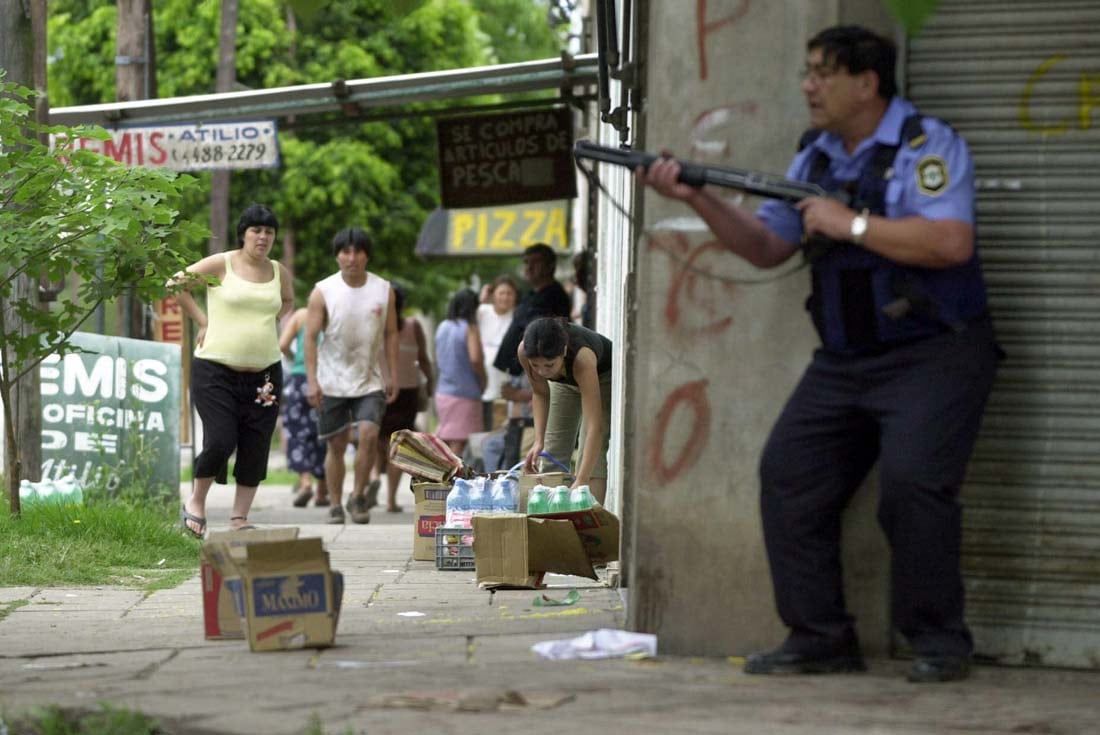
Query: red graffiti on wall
(698,301)
(704,27)
(693,397)
(707,139)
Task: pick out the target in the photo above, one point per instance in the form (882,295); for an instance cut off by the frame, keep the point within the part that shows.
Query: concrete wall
(714,361)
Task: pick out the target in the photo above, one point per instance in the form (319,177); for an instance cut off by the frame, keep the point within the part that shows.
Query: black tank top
(581,337)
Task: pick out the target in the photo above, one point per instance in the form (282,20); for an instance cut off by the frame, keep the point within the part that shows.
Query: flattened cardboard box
(289,595)
(220,555)
(516,550)
(430,512)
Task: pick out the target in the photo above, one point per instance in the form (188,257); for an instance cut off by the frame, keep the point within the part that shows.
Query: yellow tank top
(240,321)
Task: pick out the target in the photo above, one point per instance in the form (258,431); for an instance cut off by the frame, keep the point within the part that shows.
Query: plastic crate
(452,553)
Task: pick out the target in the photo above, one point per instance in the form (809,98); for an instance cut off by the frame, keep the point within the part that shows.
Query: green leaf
(912,14)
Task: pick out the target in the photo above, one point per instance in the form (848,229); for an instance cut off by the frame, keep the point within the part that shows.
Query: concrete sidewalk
(465,665)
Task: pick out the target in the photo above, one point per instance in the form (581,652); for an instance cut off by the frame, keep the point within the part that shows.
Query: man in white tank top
(354,312)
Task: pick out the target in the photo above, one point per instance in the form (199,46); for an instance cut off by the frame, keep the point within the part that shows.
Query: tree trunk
(23,404)
(227,75)
(134,80)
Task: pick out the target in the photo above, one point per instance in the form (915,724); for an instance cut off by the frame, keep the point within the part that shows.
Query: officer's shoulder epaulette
(912,131)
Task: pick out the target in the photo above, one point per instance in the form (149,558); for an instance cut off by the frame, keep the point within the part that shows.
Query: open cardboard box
(551,479)
(516,550)
(289,595)
(220,555)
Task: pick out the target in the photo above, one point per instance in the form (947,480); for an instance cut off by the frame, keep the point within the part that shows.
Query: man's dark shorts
(337,414)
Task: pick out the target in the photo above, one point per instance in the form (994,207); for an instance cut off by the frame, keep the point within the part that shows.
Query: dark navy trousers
(916,410)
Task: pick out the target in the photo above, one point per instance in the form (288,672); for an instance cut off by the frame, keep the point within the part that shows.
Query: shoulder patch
(931,175)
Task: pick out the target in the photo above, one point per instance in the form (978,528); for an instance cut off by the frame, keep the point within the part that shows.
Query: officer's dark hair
(355,237)
(541,248)
(463,306)
(546,338)
(255,215)
(857,49)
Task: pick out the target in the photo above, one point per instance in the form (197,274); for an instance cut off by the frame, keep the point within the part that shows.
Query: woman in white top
(494,316)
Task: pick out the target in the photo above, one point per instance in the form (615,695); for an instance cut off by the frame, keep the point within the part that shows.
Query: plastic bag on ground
(602,643)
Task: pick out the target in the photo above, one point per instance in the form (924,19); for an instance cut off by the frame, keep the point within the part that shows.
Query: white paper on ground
(602,643)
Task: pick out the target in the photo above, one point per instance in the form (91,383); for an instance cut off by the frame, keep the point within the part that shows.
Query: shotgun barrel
(698,174)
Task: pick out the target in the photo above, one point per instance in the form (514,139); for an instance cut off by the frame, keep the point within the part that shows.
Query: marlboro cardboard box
(220,555)
(430,512)
(289,596)
(516,550)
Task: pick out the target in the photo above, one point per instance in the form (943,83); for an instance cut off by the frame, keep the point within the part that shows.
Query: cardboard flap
(553,546)
(500,548)
(286,556)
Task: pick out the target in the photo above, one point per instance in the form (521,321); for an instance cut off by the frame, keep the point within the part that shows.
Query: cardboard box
(430,512)
(517,550)
(220,555)
(289,595)
(550,479)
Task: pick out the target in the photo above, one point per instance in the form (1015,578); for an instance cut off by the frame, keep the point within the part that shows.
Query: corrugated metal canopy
(348,97)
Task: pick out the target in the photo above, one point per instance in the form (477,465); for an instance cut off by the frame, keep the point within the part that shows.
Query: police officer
(906,363)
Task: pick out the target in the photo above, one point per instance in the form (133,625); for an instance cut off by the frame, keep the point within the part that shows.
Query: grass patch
(111,540)
(100,721)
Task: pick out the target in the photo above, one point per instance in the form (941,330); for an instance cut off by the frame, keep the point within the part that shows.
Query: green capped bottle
(539,500)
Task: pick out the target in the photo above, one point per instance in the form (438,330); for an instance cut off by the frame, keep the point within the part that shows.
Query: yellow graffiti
(1089,94)
(1088,98)
(1025,102)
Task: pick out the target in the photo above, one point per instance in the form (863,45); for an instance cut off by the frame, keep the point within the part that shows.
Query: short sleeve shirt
(934,179)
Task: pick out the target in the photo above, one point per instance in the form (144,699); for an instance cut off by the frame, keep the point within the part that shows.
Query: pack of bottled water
(65,490)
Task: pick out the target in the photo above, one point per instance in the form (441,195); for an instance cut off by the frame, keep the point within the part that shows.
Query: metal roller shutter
(1021,80)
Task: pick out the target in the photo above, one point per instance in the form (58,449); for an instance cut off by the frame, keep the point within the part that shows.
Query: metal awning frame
(350,98)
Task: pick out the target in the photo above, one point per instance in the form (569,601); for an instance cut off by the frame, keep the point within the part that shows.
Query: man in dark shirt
(546,298)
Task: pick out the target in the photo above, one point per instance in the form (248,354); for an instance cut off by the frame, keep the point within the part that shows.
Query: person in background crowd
(461,372)
(354,309)
(570,372)
(546,298)
(907,359)
(236,375)
(412,362)
(305,452)
(494,315)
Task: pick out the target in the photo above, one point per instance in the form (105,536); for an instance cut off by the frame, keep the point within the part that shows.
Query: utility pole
(223,82)
(135,79)
(23,56)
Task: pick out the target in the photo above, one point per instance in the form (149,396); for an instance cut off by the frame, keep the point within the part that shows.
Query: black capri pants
(238,411)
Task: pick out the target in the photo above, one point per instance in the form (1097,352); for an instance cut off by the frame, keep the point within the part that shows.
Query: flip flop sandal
(245,527)
(185,516)
(303,497)
(322,502)
(395,509)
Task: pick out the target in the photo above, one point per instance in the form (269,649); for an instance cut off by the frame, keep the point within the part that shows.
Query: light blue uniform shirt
(915,188)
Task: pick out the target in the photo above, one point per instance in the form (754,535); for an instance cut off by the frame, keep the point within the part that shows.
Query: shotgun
(698,174)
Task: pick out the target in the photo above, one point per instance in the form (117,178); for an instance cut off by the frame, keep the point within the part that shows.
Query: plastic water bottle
(539,500)
(581,498)
(481,496)
(459,511)
(66,490)
(69,490)
(504,494)
(559,500)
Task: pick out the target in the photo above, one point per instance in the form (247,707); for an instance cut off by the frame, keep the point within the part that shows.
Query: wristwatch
(859,227)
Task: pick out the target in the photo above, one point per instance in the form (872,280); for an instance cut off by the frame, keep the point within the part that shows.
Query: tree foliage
(76,215)
(334,174)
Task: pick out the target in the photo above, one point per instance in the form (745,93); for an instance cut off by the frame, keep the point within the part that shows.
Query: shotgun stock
(698,174)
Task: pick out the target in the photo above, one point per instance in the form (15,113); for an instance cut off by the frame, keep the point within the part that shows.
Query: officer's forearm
(740,231)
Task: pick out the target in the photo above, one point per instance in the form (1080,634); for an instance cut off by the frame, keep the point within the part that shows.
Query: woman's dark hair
(255,215)
(545,338)
(398,302)
(504,280)
(354,237)
(463,306)
(857,49)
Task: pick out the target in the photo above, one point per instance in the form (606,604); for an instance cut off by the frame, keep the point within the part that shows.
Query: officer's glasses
(818,73)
